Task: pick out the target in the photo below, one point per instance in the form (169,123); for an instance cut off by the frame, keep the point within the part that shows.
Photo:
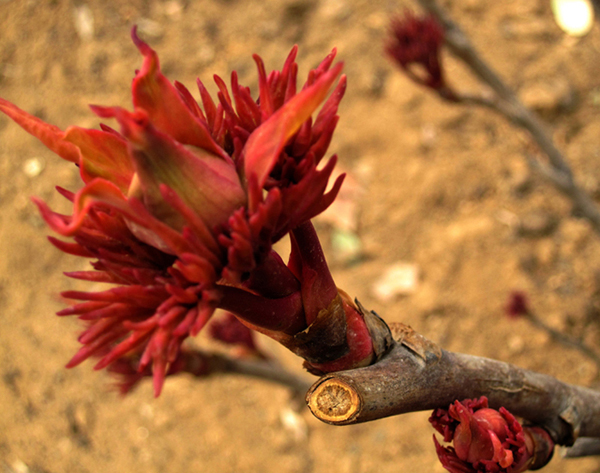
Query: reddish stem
(308,262)
(272,278)
(284,314)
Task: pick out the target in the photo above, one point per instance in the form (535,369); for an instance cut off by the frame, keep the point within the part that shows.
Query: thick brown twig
(416,375)
(507,104)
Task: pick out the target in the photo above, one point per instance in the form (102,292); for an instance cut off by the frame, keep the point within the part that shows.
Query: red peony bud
(179,211)
(415,44)
(517,305)
(488,440)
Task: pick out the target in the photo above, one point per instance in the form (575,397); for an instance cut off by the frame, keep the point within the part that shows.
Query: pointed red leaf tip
(282,85)
(266,100)
(104,154)
(268,140)
(97,191)
(131,122)
(99,153)
(165,106)
(51,136)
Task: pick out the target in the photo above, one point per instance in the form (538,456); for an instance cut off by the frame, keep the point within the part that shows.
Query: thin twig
(565,339)
(512,108)
(203,364)
(417,375)
(269,372)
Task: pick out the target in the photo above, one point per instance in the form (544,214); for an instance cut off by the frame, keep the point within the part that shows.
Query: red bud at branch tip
(488,440)
(517,305)
(179,209)
(414,44)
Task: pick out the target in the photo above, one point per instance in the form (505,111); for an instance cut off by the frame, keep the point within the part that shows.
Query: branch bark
(416,375)
(583,447)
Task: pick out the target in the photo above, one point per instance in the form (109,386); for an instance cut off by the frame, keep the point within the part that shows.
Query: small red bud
(488,440)
(517,304)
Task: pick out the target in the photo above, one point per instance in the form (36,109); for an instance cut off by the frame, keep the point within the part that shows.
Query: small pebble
(537,225)
(347,246)
(293,423)
(399,279)
(150,28)
(64,445)
(142,433)
(146,411)
(33,167)
(19,466)
(428,136)
(335,10)
(84,22)
(516,344)
(205,54)
(343,213)
(173,9)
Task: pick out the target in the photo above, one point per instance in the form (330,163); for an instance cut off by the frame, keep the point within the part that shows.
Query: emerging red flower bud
(181,207)
(487,440)
(415,45)
(517,304)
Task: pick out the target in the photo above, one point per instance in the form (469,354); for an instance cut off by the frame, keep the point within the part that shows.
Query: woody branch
(417,375)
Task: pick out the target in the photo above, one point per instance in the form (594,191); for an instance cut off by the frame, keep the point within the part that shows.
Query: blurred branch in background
(213,363)
(518,306)
(500,99)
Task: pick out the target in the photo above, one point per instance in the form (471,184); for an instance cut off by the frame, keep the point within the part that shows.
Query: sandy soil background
(443,189)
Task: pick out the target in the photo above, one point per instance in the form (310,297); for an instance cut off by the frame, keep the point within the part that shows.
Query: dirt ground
(443,189)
